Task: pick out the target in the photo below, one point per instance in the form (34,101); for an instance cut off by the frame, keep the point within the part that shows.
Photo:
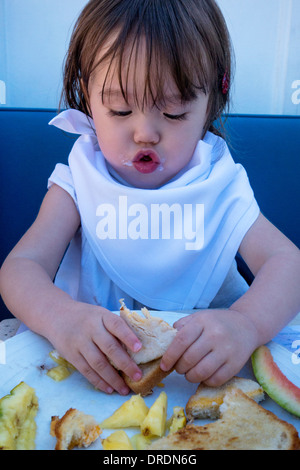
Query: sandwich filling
(154,333)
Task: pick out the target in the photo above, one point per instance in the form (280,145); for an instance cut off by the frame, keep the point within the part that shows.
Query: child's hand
(211,346)
(89,337)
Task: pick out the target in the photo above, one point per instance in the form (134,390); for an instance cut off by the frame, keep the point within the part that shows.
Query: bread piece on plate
(152,375)
(156,336)
(243,425)
(74,429)
(205,403)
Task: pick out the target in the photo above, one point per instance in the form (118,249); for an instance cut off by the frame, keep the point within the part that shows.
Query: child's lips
(146,161)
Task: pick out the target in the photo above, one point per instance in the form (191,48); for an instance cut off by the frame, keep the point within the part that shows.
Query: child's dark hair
(187,38)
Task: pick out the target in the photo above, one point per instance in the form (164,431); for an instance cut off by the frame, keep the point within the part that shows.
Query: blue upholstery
(267,146)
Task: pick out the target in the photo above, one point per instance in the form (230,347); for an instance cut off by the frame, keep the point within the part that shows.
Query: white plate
(27,359)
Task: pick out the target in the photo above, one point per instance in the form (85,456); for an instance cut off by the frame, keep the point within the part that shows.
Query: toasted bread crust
(74,429)
(206,402)
(152,375)
(244,425)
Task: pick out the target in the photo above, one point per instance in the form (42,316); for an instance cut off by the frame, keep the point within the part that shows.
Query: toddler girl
(151,207)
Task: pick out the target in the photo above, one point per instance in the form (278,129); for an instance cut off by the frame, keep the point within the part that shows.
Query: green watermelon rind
(274,382)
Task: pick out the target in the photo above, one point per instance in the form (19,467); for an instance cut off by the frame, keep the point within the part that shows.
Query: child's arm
(274,296)
(86,335)
(213,345)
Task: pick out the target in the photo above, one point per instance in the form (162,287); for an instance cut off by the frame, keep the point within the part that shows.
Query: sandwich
(243,425)
(206,402)
(156,336)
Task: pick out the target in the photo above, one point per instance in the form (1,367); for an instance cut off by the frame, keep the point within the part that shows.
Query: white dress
(128,246)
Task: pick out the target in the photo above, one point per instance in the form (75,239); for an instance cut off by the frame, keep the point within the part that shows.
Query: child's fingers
(87,371)
(193,354)
(182,341)
(212,372)
(109,344)
(184,320)
(119,328)
(206,368)
(222,375)
(119,357)
(95,366)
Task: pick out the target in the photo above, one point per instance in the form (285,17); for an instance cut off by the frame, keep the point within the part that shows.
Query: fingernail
(109,390)
(124,391)
(137,376)
(137,346)
(163,366)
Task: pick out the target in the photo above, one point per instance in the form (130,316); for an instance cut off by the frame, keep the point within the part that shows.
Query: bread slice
(74,429)
(206,402)
(152,376)
(243,425)
(156,336)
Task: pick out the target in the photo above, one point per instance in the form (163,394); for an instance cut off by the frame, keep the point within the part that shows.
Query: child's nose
(146,131)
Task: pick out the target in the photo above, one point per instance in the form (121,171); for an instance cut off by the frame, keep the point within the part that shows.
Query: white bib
(168,248)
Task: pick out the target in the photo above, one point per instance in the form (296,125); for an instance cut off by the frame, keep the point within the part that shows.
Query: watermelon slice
(274,382)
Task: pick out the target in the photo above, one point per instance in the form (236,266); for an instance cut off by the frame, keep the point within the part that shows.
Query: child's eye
(119,113)
(176,117)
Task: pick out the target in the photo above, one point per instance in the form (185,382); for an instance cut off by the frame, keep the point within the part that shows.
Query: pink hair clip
(225,83)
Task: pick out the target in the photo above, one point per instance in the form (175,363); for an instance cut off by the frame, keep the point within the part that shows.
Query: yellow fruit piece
(63,368)
(118,440)
(59,373)
(56,357)
(131,413)
(17,418)
(155,422)
(140,442)
(178,420)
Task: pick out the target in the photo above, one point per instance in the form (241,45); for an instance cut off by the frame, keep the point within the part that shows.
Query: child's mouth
(146,161)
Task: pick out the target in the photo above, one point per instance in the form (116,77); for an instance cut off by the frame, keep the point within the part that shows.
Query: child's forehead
(133,72)
(116,94)
(135,81)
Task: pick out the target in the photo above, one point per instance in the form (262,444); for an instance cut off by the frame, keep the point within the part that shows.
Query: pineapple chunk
(26,438)
(140,442)
(59,373)
(155,422)
(178,420)
(56,357)
(63,368)
(118,440)
(131,413)
(17,418)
